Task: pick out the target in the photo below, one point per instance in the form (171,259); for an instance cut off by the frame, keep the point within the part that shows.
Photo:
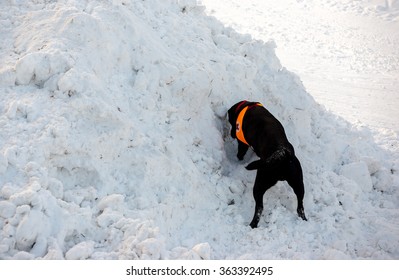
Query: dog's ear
(230,114)
(232,120)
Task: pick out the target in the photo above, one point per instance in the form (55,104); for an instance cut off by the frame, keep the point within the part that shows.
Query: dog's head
(232,114)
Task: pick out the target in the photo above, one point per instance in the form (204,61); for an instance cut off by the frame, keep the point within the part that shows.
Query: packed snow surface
(114,142)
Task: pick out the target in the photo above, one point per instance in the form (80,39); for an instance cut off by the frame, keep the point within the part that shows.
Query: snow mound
(114,142)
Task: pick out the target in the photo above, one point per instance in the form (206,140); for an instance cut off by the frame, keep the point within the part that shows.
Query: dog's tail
(278,157)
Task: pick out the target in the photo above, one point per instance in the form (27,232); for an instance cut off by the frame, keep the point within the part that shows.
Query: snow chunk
(113,201)
(39,67)
(7,209)
(150,248)
(73,82)
(110,207)
(80,251)
(383,180)
(55,187)
(28,231)
(373,164)
(203,250)
(54,251)
(29,196)
(359,173)
(108,217)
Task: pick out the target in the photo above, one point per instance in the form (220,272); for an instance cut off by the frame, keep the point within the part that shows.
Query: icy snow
(114,142)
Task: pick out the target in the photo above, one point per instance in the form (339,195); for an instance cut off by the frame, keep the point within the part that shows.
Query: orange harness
(239,121)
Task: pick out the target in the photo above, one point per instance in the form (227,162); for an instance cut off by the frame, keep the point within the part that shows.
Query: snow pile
(114,142)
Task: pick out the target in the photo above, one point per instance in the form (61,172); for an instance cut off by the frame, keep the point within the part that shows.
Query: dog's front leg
(258,196)
(242,150)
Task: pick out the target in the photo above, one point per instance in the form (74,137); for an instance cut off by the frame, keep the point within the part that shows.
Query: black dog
(253,125)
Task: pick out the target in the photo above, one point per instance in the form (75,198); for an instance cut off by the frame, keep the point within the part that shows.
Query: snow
(359,173)
(345,51)
(114,142)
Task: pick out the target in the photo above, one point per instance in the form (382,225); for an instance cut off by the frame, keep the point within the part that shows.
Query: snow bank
(115,145)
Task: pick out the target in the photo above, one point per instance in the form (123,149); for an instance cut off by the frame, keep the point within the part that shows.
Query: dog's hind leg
(262,184)
(278,157)
(295,180)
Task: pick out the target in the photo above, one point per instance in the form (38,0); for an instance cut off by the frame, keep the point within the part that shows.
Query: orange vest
(239,121)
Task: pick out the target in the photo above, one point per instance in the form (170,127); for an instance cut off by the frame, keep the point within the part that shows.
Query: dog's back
(268,138)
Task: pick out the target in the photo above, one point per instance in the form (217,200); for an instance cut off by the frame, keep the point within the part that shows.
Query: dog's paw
(253,224)
(301,214)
